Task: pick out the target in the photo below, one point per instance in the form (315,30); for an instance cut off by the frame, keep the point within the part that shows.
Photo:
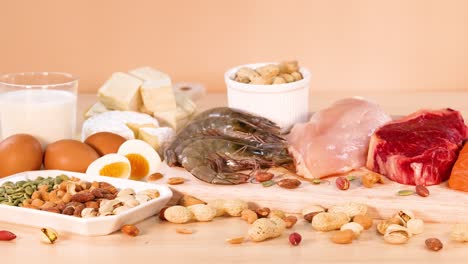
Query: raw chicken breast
(336,139)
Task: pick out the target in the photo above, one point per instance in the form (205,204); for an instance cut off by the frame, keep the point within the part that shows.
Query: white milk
(48,115)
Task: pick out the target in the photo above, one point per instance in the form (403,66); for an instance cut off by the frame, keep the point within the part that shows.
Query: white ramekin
(285,104)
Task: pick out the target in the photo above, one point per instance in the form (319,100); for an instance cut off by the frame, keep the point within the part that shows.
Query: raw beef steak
(418,149)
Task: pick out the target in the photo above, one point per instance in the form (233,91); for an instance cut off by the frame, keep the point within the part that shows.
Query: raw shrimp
(259,121)
(218,160)
(220,126)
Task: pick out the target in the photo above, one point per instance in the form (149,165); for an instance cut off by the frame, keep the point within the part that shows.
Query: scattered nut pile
(265,223)
(73,196)
(285,72)
(400,228)
(267,180)
(349,218)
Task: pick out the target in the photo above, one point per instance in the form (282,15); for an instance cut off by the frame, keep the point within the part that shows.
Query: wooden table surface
(159,242)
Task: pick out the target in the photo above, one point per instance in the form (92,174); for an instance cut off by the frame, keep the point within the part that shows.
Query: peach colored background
(347,44)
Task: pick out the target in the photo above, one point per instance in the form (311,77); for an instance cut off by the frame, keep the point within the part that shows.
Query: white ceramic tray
(95,226)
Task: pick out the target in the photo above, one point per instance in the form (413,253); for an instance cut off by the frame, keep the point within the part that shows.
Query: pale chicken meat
(336,139)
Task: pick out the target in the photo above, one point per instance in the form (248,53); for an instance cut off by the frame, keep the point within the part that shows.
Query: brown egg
(69,155)
(19,153)
(105,142)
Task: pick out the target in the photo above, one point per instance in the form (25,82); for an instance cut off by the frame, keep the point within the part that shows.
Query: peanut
(329,221)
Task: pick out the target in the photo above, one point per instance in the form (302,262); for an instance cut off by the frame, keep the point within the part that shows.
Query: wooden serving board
(442,205)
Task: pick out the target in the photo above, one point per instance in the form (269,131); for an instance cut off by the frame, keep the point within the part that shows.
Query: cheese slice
(158,138)
(116,122)
(147,74)
(136,127)
(121,92)
(95,109)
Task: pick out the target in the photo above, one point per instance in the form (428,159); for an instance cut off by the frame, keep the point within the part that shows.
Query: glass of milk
(42,104)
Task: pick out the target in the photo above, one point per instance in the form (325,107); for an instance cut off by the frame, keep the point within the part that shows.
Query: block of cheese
(147,74)
(158,138)
(116,122)
(135,127)
(157,94)
(121,92)
(95,109)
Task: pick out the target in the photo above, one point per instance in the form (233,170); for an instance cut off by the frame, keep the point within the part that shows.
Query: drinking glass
(41,104)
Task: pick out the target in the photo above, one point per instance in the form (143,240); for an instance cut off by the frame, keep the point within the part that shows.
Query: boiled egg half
(111,165)
(144,160)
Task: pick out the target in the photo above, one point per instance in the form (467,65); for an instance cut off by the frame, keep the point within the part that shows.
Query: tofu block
(121,92)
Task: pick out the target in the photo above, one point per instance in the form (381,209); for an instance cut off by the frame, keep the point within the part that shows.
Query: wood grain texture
(382,199)
(160,242)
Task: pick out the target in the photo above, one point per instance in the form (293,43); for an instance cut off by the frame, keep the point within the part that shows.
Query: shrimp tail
(207,174)
(171,157)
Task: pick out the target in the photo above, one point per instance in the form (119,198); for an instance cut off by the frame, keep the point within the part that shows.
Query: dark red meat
(418,149)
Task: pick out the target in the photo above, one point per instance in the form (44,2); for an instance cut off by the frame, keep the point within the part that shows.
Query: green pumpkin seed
(405,192)
(7,203)
(28,190)
(268,183)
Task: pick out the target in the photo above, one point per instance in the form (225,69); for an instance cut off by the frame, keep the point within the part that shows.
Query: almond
(289,183)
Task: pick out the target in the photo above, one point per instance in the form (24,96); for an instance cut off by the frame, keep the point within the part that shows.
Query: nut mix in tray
(72,196)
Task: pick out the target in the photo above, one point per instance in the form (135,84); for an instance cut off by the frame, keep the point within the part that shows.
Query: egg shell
(105,142)
(19,153)
(69,155)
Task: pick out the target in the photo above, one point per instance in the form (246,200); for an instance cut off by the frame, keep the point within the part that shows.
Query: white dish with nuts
(282,97)
(133,201)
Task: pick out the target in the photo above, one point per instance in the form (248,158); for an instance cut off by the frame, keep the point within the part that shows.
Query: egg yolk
(139,165)
(116,169)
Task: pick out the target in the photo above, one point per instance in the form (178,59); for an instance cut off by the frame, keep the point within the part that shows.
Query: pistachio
(313,209)
(384,224)
(48,235)
(120,209)
(415,226)
(396,234)
(125,192)
(88,212)
(404,216)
